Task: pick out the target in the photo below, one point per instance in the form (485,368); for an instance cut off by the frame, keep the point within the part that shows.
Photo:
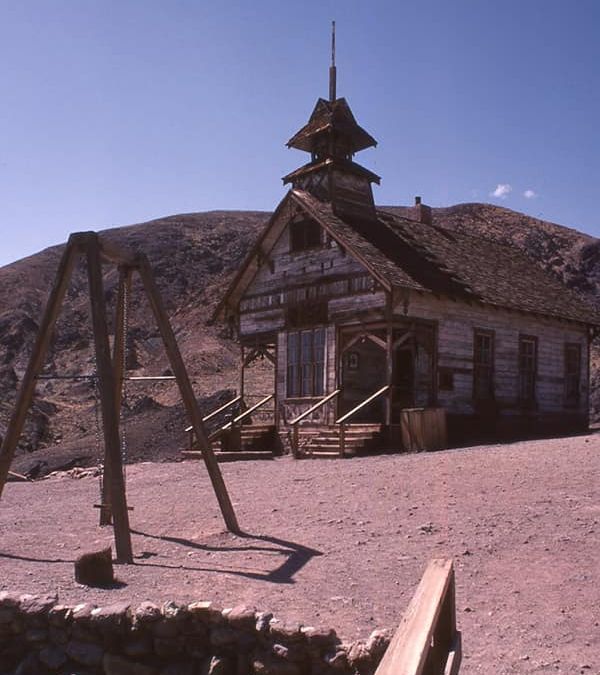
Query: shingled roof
(409,254)
(332,117)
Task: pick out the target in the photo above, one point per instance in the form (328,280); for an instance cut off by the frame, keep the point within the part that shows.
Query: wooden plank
(18,477)
(408,651)
(105,517)
(36,361)
(110,421)
(187,393)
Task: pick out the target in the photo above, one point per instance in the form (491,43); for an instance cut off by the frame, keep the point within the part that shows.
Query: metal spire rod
(332,70)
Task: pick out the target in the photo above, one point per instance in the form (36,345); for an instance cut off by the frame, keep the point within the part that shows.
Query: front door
(363,372)
(403,380)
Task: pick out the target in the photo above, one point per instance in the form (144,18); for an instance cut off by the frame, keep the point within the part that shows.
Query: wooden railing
(427,641)
(214,413)
(295,422)
(346,416)
(240,418)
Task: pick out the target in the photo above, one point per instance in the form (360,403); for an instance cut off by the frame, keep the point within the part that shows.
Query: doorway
(363,372)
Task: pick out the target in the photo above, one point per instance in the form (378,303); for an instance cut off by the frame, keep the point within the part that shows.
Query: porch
(383,400)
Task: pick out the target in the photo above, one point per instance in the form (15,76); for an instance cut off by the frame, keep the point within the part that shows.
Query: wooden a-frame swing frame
(110,376)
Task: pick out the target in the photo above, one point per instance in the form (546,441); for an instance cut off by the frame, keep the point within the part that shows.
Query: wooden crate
(423,429)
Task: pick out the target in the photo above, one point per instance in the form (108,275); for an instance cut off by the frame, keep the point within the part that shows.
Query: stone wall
(39,636)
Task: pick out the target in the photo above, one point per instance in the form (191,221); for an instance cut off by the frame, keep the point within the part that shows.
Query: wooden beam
(36,361)
(389,352)
(187,393)
(418,634)
(242,372)
(118,359)
(110,421)
(109,252)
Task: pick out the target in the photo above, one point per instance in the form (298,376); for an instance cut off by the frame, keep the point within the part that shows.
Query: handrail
(316,406)
(241,417)
(427,640)
(217,411)
(306,413)
(342,420)
(362,404)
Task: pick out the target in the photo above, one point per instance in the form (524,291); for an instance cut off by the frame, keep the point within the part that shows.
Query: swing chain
(125,328)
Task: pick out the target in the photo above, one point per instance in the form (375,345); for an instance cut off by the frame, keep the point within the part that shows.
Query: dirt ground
(345,542)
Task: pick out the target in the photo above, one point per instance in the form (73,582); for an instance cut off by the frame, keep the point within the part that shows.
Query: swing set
(109,377)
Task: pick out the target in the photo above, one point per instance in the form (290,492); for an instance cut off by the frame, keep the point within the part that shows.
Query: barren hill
(194,256)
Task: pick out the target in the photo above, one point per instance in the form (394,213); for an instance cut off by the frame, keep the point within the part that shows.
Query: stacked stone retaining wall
(39,636)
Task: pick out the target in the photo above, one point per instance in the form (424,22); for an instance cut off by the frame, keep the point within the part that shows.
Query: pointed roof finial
(332,71)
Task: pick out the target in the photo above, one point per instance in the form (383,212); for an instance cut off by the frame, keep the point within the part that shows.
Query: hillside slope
(193,256)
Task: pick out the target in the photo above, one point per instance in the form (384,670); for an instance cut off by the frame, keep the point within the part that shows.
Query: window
(527,368)
(305,234)
(446,379)
(572,373)
(306,362)
(483,365)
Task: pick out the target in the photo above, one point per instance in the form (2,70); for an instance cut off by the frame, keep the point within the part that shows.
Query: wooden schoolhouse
(369,318)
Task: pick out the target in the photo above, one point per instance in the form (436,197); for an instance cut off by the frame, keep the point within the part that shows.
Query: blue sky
(118,112)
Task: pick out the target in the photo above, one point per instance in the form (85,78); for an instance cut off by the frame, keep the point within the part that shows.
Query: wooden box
(423,429)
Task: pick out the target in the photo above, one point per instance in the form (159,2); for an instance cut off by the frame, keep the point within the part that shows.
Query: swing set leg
(110,422)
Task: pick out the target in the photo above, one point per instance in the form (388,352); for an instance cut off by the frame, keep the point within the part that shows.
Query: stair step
(321,454)
(319,442)
(244,455)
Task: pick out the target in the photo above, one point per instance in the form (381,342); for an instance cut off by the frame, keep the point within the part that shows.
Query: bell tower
(332,136)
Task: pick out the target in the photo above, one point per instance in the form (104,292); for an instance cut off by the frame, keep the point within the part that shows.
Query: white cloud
(502,191)
(529,194)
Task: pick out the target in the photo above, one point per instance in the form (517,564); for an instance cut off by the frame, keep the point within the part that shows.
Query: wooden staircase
(247,442)
(324,442)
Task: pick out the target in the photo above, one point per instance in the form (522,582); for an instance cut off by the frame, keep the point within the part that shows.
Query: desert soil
(345,542)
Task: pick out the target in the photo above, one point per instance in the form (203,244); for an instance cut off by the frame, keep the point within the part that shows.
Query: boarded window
(527,368)
(306,363)
(305,234)
(483,365)
(572,374)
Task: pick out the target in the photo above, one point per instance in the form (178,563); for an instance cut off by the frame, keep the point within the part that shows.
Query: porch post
(389,359)
(275,371)
(243,361)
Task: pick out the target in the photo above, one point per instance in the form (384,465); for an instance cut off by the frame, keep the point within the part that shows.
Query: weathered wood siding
(456,323)
(328,276)
(288,277)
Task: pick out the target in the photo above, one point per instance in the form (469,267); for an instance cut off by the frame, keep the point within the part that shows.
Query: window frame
(531,374)
(306,359)
(572,400)
(301,235)
(479,393)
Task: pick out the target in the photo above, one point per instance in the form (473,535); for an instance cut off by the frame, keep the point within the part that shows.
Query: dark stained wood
(187,393)
(389,352)
(118,367)
(110,421)
(36,361)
